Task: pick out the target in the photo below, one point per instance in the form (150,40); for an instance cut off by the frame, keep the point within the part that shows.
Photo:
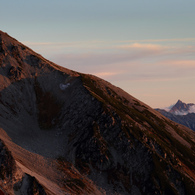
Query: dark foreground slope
(78,134)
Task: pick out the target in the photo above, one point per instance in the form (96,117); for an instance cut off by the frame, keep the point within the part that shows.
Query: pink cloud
(164,40)
(142,46)
(106,75)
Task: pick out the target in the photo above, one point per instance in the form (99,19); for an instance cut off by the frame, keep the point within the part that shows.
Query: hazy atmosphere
(146,48)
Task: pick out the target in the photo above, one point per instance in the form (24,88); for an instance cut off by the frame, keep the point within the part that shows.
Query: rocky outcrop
(28,185)
(12,180)
(7,163)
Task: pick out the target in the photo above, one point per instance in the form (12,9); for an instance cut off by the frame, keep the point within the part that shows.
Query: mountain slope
(91,137)
(12,179)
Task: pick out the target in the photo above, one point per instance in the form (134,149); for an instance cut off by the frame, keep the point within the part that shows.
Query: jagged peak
(179,101)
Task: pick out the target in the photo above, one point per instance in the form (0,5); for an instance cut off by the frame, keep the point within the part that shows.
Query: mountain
(181,113)
(73,133)
(181,108)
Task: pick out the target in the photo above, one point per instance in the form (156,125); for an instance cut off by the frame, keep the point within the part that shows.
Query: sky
(146,47)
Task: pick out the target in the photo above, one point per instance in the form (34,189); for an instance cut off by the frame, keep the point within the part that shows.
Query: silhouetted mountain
(78,134)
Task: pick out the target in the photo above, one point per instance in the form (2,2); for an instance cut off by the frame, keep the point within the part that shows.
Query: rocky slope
(78,134)
(181,113)
(12,179)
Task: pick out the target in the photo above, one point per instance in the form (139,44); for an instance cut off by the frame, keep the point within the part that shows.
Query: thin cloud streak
(141,46)
(146,55)
(123,52)
(107,42)
(81,44)
(163,40)
(106,75)
(181,63)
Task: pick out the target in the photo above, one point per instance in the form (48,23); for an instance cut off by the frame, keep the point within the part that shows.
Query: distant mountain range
(181,113)
(67,133)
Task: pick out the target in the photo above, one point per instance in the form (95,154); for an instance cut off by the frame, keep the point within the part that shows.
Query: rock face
(82,135)
(7,163)
(181,113)
(28,185)
(12,180)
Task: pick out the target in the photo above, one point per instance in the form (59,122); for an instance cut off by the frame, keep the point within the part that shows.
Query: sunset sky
(146,47)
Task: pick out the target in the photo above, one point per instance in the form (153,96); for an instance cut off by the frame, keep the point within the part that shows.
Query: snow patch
(178,112)
(192,109)
(64,86)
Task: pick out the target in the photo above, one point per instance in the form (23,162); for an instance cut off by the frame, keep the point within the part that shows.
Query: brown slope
(50,173)
(12,179)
